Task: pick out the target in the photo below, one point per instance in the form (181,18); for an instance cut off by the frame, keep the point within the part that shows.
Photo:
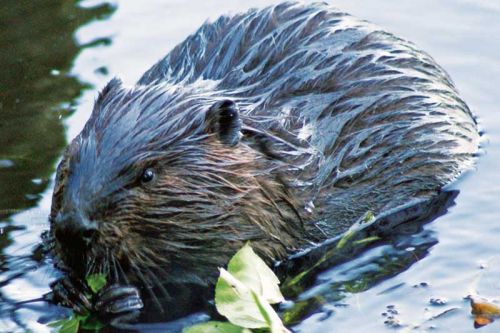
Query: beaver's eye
(147,175)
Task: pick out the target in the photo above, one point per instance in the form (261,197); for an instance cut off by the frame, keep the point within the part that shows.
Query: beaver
(280,126)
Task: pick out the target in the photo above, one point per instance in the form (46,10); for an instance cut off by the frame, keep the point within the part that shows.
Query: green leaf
(70,326)
(353,230)
(242,306)
(345,238)
(88,322)
(58,323)
(269,315)
(215,327)
(262,308)
(96,282)
(91,323)
(366,240)
(234,301)
(369,217)
(253,272)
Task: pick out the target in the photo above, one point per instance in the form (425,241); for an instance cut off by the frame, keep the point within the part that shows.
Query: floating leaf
(234,301)
(270,316)
(215,327)
(253,272)
(480,321)
(96,282)
(244,307)
(243,294)
(484,312)
(484,308)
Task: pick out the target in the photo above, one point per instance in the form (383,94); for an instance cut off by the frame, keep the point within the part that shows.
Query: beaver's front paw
(117,301)
(71,293)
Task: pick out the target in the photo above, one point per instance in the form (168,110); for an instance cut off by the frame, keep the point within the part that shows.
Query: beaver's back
(365,119)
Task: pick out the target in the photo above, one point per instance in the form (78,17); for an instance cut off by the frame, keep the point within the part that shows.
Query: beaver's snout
(74,230)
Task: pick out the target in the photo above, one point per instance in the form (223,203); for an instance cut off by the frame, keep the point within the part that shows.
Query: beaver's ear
(223,119)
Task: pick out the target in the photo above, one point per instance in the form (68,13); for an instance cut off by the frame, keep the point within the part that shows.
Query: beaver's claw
(71,293)
(117,300)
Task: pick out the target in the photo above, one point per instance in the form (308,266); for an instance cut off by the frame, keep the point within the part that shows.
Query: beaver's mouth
(73,258)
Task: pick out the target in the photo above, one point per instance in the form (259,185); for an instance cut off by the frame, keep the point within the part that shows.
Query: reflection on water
(369,256)
(37,50)
(415,280)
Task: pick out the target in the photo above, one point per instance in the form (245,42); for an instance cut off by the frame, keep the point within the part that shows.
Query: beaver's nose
(73,230)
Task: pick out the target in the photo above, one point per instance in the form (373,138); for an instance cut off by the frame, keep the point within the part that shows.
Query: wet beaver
(280,126)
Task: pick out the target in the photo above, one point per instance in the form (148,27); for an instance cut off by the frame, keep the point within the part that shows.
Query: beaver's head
(162,185)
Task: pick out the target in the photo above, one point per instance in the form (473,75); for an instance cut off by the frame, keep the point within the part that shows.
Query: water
(55,56)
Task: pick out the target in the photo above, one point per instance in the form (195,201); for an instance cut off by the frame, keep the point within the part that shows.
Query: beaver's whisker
(161,272)
(88,261)
(91,265)
(99,267)
(158,283)
(122,272)
(106,265)
(116,276)
(146,283)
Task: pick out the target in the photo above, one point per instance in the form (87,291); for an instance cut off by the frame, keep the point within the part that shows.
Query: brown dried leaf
(485,309)
(480,321)
(484,312)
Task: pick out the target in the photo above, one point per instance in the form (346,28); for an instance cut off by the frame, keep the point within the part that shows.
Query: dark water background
(56,54)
